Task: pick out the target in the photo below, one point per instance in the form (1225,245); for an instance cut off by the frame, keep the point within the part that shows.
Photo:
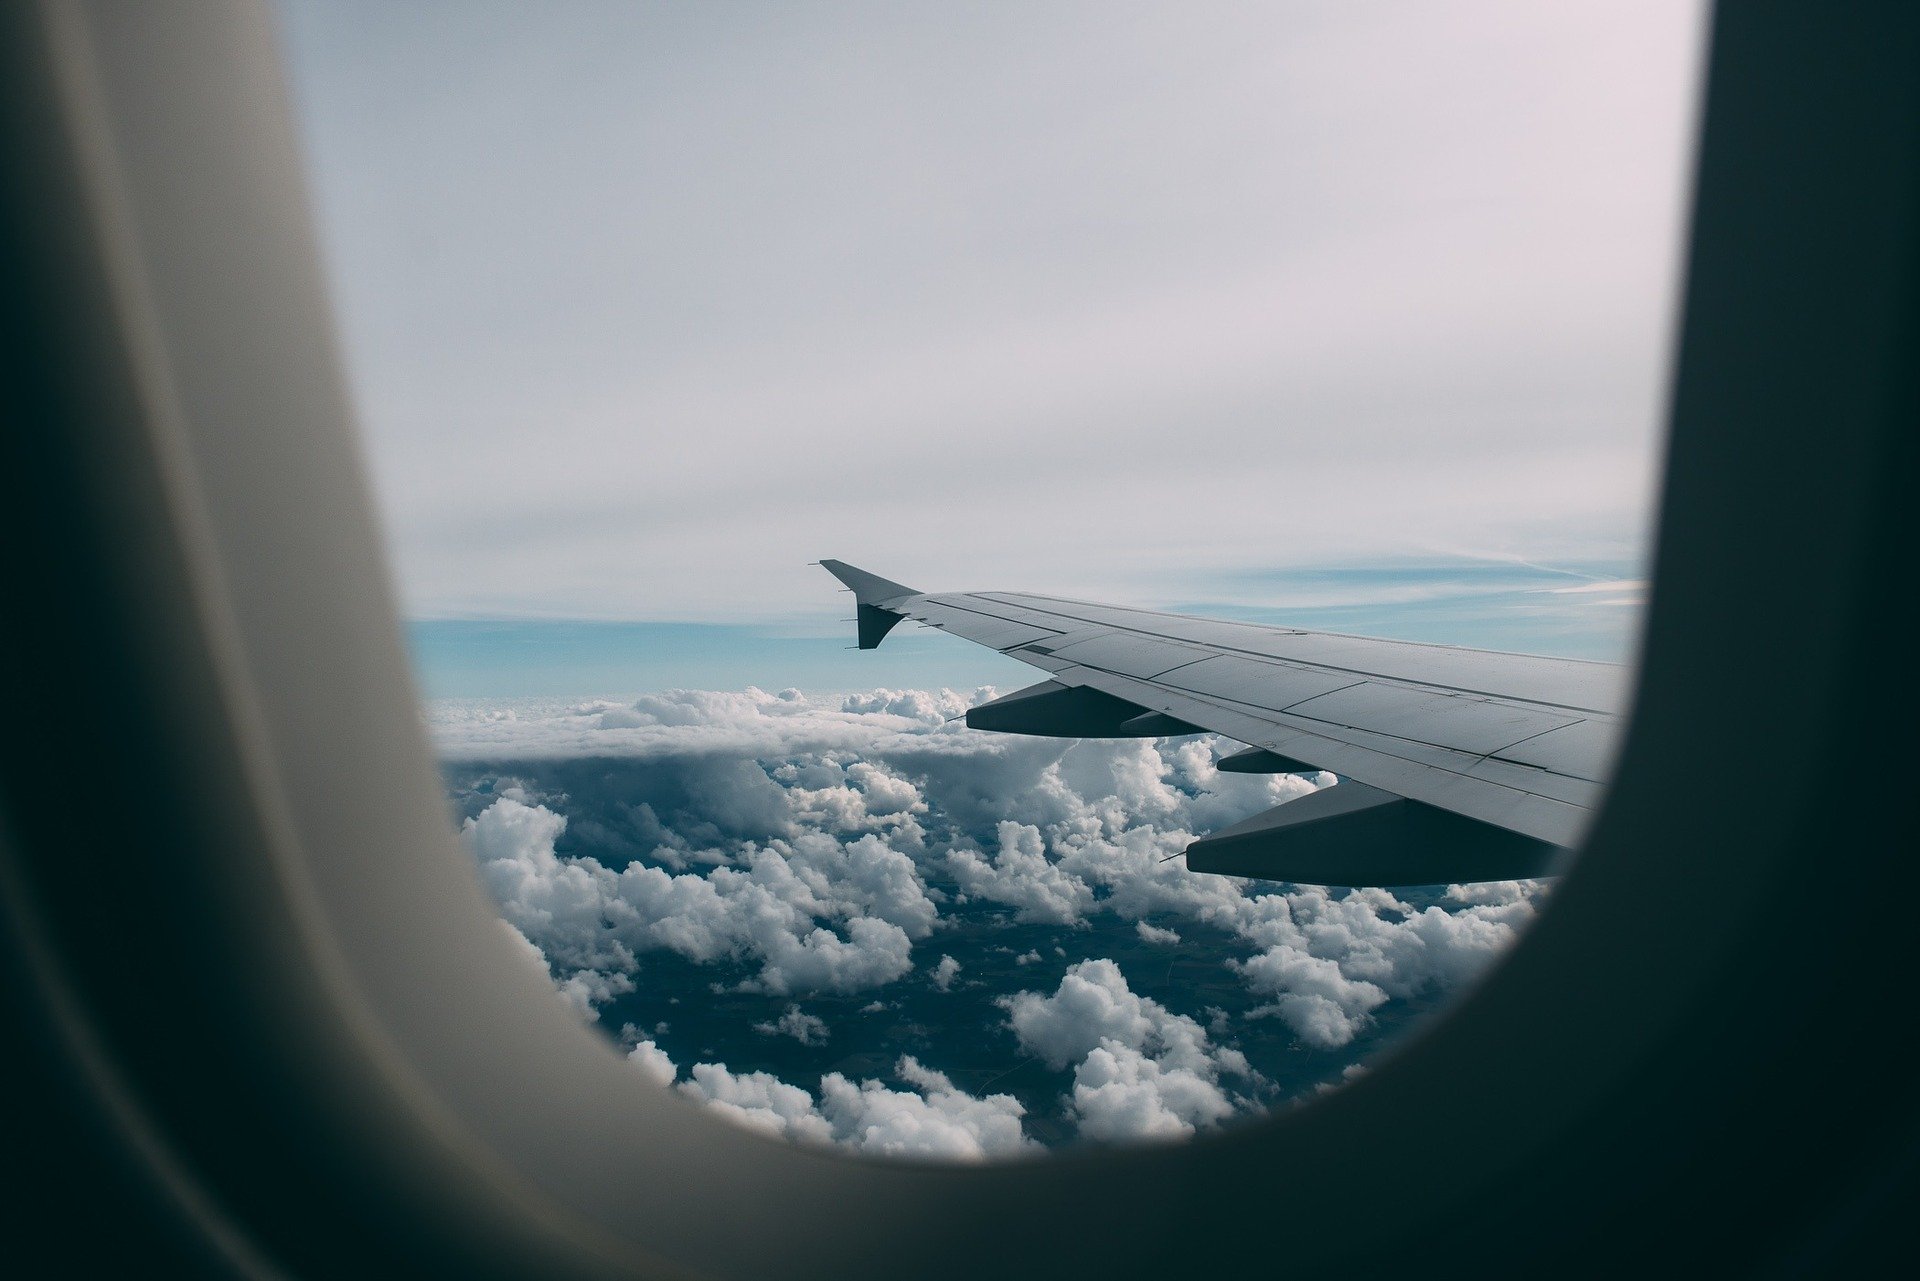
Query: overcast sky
(647,306)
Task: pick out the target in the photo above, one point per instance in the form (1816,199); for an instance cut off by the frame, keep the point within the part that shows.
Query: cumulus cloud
(1311,993)
(932,1118)
(653,1062)
(760,1101)
(749,724)
(1140,1070)
(815,844)
(1120,1093)
(818,914)
(945,972)
(1329,963)
(937,1119)
(1022,877)
(588,990)
(584,989)
(805,1028)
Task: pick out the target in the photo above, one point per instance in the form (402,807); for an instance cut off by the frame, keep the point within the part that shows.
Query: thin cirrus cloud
(647,305)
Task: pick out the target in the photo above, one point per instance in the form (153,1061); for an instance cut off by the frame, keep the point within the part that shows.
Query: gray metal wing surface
(1455,765)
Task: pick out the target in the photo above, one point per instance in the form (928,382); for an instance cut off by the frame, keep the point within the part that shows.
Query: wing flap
(1580,750)
(1560,682)
(1461,722)
(1531,801)
(1146,657)
(1258,760)
(1352,834)
(1257,683)
(1055,710)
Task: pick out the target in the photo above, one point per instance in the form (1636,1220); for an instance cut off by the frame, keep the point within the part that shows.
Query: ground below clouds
(852,920)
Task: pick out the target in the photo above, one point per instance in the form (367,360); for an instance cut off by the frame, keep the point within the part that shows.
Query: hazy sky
(647,306)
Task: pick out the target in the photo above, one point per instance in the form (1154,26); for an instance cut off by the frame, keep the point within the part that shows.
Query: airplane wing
(1455,765)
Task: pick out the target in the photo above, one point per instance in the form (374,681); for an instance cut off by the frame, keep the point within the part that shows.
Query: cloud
(945,972)
(1094,1004)
(1312,995)
(777,904)
(802,1027)
(584,989)
(812,846)
(936,1120)
(1612,586)
(824,883)
(1022,877)
(1120,1093)
(653,1061)
(760,1101)
(1373,355)
(932,1118)
(1140,1070)
(1329,963)
(587,990)
(749,724)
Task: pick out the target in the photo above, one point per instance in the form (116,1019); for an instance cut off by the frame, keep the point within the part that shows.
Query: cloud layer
(810,853)
(932,1118)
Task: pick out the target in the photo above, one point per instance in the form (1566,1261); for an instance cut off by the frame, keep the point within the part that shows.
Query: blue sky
(551,658)
(1590,612)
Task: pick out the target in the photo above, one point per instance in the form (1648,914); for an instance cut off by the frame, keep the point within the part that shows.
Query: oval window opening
(1270,329)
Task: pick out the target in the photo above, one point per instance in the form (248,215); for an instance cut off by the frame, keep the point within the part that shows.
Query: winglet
(868,589)
(874,620)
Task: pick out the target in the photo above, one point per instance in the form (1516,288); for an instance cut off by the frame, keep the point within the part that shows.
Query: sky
(1480,604)
(1347,316)
(1229,308)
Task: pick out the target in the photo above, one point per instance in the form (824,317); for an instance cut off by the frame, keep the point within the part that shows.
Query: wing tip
(868,588)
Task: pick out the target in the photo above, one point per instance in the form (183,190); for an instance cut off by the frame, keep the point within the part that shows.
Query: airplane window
(1311,322)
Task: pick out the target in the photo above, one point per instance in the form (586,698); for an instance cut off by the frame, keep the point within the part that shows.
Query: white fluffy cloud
(934,1118)
(945,972)
(750,724)
(806,839)
(1120,1093)
(1022,877)
(1328,963)
(1140,1070)
(759,1101)
(780,904)
(835,895)
(805,1028)
(654,1062)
